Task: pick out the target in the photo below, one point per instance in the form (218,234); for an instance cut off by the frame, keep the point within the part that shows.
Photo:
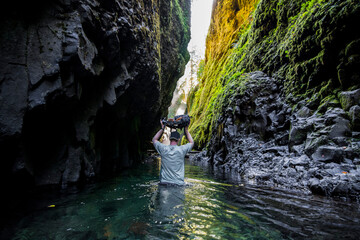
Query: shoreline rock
(276,145)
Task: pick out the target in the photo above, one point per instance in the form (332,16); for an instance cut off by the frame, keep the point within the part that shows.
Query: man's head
(174,137)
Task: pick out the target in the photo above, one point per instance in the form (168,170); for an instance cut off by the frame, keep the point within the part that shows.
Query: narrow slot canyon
(272,89)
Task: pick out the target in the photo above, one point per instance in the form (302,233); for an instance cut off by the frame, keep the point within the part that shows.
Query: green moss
(296,40)
(184,18)
(200,71)
(327,102)
(326,89)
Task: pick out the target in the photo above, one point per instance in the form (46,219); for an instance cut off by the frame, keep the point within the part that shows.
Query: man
(172,156)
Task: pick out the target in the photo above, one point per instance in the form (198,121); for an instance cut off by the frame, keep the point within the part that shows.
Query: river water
(134,206)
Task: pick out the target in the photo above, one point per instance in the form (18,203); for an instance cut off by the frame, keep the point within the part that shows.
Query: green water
(134,206)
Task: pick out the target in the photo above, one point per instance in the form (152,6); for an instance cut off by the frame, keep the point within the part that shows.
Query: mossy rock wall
(311,47)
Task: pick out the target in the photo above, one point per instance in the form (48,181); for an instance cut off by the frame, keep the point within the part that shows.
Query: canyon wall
(279,98)
(83,84)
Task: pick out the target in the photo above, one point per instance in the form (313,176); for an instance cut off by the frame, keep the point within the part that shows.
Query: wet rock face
(261,138)
(83,84)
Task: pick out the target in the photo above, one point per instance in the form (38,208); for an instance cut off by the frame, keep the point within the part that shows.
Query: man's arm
(188,136)
(158,134)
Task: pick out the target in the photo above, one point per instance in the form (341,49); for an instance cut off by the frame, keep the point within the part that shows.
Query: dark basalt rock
(328,154)
(83,84)
(320,154)
(349,99)
(354,114)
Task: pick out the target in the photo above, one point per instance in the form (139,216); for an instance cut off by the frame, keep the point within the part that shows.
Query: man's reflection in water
(168,204)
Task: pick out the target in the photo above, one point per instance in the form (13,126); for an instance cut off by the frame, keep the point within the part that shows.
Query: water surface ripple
(135,206)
